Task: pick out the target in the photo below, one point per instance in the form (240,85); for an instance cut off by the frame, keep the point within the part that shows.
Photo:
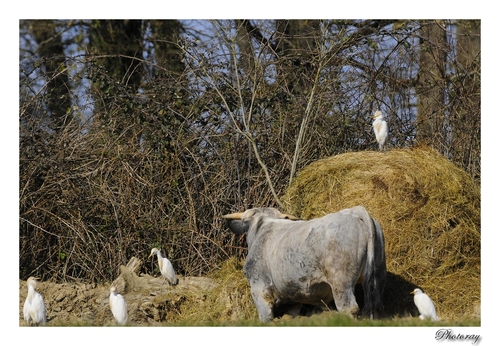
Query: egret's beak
(150,255)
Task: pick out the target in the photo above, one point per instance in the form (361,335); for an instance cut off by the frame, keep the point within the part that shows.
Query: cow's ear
(289,217)
(237,226)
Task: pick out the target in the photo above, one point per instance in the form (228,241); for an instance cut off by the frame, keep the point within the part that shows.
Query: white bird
(380,128)
(34,307)
(424,305)
(166,268)
(118,306)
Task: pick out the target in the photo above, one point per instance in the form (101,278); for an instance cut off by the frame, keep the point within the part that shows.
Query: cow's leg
(345,299)
(264,303)
(294,310)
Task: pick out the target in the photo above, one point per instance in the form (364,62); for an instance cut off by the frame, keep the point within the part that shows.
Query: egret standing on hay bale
(34,307)
(118,306)
(380,128)
(166,268)
(424,305)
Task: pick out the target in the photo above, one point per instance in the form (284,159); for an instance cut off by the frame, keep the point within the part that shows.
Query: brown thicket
(120,152)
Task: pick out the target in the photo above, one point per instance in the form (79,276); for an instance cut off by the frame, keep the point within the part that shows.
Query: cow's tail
(375,269)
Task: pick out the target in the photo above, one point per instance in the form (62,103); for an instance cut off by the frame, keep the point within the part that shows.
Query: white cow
(292,262)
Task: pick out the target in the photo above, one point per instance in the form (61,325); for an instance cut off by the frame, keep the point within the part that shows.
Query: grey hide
(315,262)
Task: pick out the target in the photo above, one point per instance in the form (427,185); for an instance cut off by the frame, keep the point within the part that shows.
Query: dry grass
(229,300)
(430,213)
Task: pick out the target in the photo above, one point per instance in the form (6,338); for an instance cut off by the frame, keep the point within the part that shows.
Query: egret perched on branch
(424,305)
(166,268)
(118,306)
(380,128)
(34,307)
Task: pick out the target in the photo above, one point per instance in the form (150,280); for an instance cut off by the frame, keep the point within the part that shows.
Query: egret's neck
(31,292)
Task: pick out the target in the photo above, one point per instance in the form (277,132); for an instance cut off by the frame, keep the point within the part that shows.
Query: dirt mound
(149,301)
(430,213)
(223,296)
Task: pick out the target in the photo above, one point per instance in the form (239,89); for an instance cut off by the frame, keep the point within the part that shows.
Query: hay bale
(429,211)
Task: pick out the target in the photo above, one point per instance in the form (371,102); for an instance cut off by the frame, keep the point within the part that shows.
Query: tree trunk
(296,44)
(466,102)
(51,50)
(167,53)
(123,39)
(431,83)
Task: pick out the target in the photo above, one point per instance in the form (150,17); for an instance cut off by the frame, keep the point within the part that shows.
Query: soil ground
(149,301)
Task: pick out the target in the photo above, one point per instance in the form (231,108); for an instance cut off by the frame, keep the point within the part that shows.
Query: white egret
(380,128)
(34,307)
(424,305)
(118,306)
(166,268)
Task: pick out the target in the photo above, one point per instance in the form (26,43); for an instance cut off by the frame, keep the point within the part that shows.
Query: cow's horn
(234,216)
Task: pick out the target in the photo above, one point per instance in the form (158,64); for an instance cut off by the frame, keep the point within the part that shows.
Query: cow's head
(239,223)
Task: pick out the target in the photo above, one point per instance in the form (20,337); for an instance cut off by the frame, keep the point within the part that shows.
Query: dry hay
(430,214)
(229,301)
